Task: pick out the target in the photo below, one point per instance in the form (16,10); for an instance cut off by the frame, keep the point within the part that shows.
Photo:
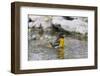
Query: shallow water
(74,49)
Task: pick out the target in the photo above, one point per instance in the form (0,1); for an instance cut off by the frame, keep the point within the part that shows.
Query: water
(74,49)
